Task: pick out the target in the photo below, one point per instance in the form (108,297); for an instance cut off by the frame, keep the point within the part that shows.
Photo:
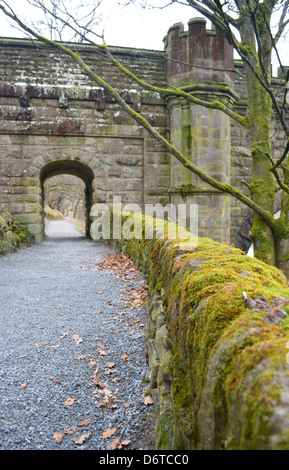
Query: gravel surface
(72,361)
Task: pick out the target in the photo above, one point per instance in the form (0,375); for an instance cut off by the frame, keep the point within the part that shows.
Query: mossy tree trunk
(282,229)
(262,187)
(257,46)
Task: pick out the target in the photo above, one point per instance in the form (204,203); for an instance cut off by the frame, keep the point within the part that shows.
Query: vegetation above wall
(218,337)
(13,234)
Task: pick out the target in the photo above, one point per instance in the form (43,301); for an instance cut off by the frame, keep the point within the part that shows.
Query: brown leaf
(110,371)
(77,338)
(110,364)
(23,386)
(85,422)
(115,380)
(124,356)
(63,335)
(148,401)
(93,362)
(69,401)
(58,437)
(102,352)
(80,440)
(70,430)
(126,442)
(115,444)
(108,433)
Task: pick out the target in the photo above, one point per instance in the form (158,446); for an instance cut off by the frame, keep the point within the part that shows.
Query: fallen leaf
(124,356)
(115,380)
(69,401)
(110,364)
(70,430)
(57,437)
(77,338)
(110,371)
(97,378)
(37,345)
(148,401)
(93,362)
(63,335)
(80,440)
(108,433)
(60,314)
(127,405)
(115,444)
(102,352)
(23,386)
(126,442)
(85,422)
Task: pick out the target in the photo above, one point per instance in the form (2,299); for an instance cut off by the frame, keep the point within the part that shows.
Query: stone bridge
(54,120)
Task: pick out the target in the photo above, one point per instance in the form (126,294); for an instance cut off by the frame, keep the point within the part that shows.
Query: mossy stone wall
(13,234)
(218,339)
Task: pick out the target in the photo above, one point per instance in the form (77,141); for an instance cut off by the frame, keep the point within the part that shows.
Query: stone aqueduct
(54,120)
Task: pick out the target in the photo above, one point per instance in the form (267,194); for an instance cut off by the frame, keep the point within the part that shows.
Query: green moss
(53,214)
(12,234)
(226,359)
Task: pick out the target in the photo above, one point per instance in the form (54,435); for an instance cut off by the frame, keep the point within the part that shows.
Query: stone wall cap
(26,42)
(197,20)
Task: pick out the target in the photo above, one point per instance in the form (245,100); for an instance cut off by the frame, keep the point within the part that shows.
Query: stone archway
(75,168)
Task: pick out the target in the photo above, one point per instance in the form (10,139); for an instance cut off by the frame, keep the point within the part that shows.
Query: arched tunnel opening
(67,188)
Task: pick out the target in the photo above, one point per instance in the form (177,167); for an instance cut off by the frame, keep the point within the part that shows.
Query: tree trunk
(282,228)
(262,187)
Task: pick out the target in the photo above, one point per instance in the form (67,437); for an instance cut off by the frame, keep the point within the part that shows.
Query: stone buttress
(200,62)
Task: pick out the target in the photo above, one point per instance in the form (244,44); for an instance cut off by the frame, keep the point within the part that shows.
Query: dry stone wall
(217,343)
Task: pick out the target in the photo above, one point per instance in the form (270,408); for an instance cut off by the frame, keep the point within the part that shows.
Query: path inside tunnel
(73,371)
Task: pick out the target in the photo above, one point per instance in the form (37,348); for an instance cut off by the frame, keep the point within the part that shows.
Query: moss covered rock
(12,234)
(226,316)
(52,214)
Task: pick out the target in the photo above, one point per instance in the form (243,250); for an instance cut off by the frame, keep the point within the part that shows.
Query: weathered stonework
(217,342)
(54,120)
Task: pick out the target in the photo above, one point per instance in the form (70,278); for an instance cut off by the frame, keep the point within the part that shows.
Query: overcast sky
(128,26)
(131,26)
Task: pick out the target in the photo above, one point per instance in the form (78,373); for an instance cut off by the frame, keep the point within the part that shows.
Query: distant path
(71,353)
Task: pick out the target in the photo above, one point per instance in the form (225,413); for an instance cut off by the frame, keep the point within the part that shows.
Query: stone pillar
(198,62)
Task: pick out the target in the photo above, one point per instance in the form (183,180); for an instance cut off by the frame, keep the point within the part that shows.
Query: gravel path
(72,362)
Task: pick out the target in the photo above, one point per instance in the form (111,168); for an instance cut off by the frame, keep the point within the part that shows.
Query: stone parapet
(217,343)
(198,54)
